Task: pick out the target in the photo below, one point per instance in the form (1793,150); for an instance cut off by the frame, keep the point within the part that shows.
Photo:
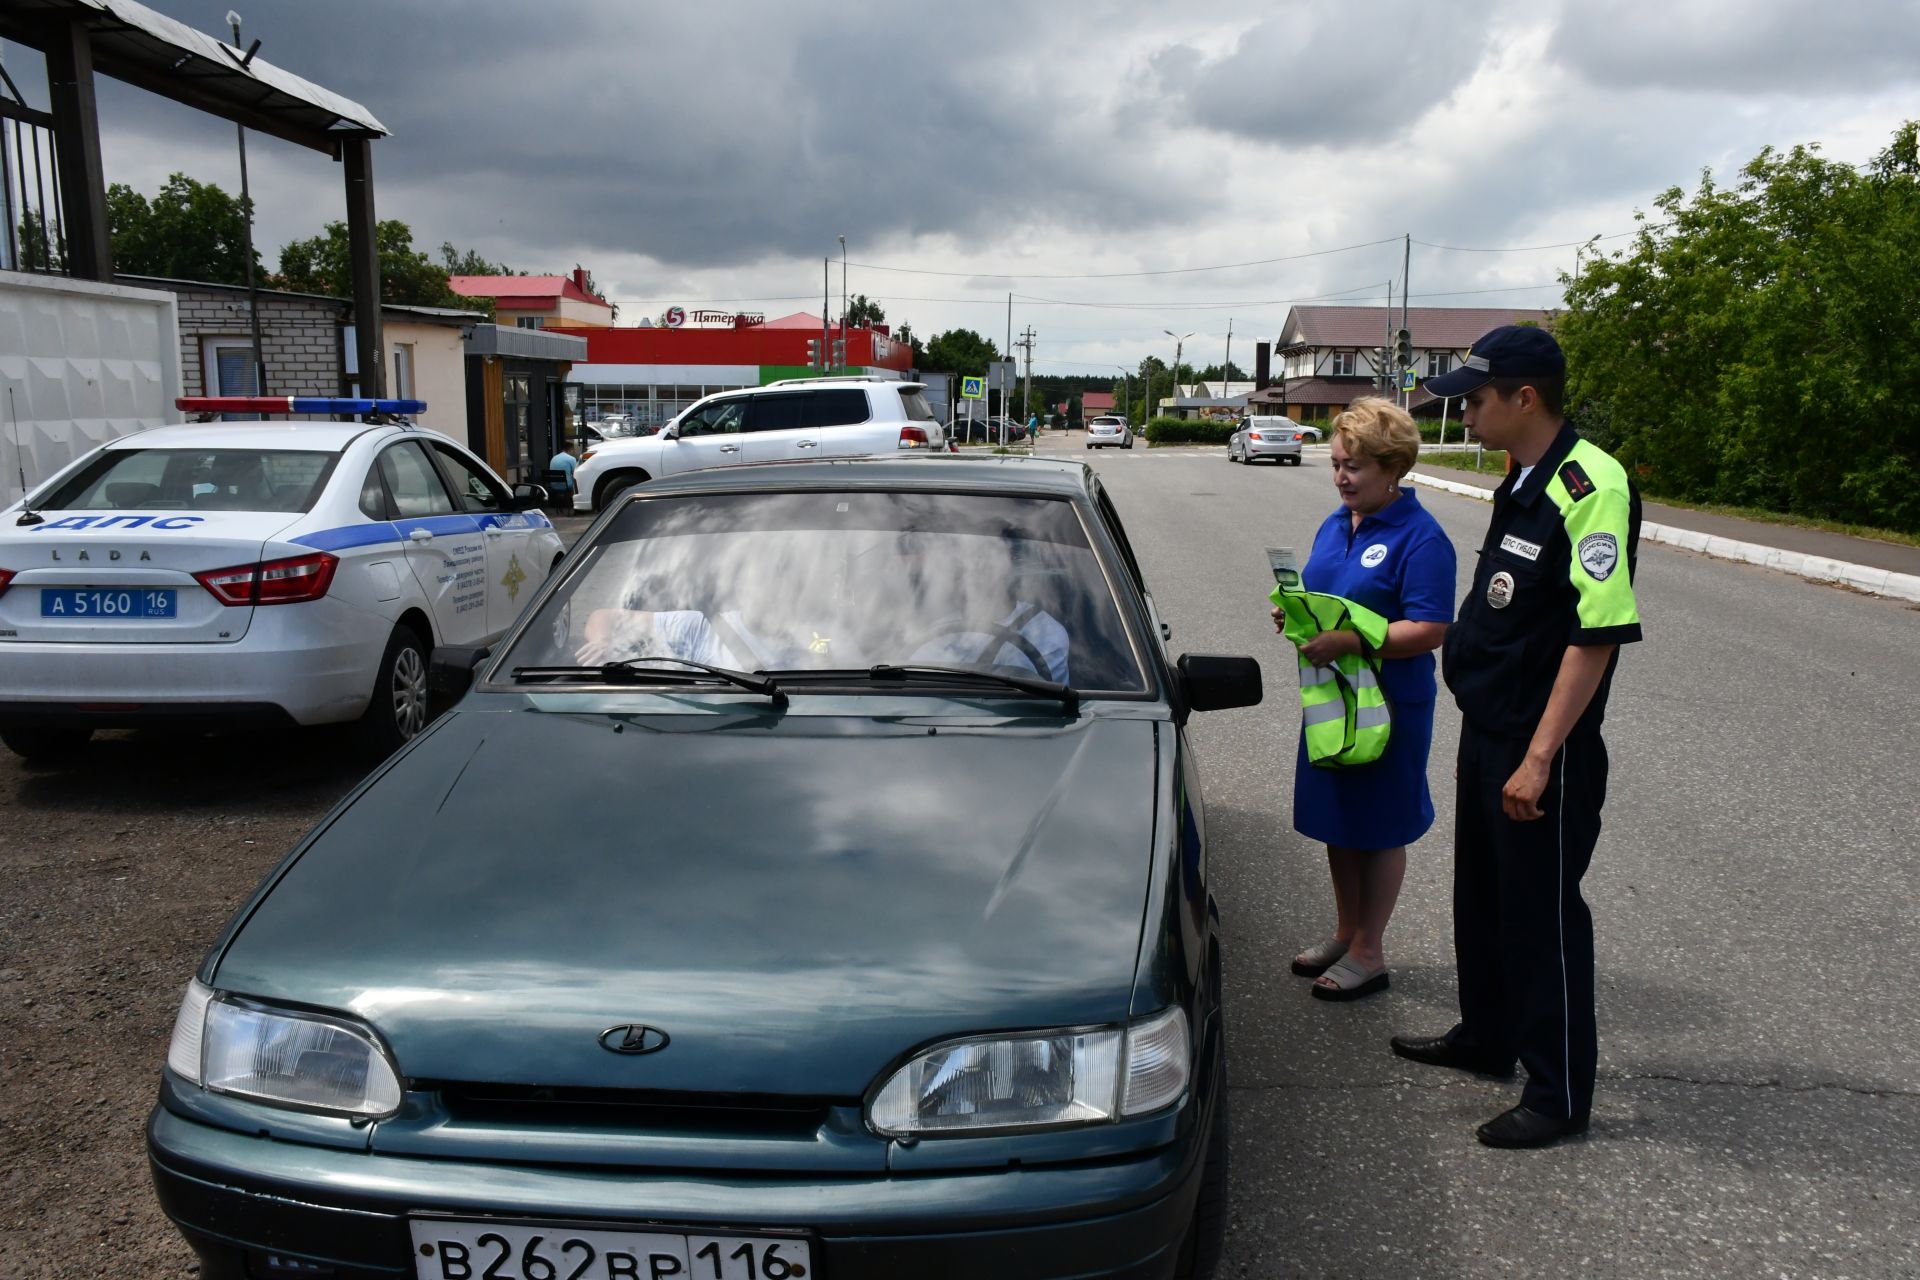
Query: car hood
(796,901)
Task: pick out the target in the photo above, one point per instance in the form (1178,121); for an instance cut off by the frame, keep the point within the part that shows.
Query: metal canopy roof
(134,44)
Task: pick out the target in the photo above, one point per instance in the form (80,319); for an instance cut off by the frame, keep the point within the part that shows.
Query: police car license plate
(104,602)
(444,1249)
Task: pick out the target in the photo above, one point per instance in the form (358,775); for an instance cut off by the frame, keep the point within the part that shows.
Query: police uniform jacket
(1556,570)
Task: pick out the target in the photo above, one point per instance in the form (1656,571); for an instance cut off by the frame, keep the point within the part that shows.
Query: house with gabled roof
(1327,357)
(539,302)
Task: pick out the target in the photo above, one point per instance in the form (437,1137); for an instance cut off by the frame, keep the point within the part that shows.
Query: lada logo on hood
(632,1037)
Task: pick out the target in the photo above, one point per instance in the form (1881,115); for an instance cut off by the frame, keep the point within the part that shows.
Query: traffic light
(839,353)
(1382,377)
(1403,348)
(813,353)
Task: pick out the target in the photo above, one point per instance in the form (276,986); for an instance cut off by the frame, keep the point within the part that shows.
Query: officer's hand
(1521,796)
(1279,619)
(1330,646)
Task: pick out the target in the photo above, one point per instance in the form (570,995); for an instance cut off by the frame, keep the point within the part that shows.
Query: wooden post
(364,251)
(76,142)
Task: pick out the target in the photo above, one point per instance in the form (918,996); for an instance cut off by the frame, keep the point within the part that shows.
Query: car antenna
(27,514)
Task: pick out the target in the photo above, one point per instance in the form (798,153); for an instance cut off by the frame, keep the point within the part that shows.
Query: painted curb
(1879,582)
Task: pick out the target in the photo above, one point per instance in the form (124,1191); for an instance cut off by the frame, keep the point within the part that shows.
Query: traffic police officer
(1529,663)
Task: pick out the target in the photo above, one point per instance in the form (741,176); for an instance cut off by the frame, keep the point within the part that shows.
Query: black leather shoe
(1438,1051)
(1523,1128)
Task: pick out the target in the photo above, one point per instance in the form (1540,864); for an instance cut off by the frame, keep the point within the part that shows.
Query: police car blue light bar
(295,404)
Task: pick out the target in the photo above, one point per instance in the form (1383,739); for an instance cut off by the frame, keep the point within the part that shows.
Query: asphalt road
(1758,1109)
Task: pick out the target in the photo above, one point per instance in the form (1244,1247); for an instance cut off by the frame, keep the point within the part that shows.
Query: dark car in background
(995,430)
(813,883)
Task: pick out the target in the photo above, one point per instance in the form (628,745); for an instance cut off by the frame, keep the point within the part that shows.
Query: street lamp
(1179,342)
(1127,383)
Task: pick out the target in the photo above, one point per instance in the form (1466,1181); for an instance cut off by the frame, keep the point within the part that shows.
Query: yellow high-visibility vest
(1347,719)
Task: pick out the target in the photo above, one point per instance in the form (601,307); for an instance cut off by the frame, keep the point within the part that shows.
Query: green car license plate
(446,1249)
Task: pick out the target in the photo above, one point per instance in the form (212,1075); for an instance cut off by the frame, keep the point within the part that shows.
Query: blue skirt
(1374,806)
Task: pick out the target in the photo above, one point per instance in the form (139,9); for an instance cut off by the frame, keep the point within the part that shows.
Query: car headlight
(303,1060)
(1039,1080)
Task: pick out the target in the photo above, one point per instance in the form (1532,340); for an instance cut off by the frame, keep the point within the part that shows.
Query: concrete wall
(80,364)
(439,372)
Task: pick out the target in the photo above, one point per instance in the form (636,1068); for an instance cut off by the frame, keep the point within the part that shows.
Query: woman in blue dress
(1382,549)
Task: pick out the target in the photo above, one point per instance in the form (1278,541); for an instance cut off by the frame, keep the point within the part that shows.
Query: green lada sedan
(812,883)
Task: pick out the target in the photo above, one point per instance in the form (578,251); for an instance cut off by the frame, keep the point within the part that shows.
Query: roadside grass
(1494,462)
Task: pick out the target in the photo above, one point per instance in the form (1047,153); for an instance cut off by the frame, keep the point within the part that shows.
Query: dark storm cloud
(1750,47)
(708,135)
(1325,76)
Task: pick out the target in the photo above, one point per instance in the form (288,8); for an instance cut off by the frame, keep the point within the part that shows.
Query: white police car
(256,573)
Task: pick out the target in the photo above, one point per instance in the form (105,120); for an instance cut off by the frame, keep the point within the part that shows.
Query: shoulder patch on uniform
(1599,553)
(1578,483)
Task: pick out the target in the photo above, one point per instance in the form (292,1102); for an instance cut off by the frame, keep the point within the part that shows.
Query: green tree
(960,351)
(468,262)
(407,276)
(189,231)
(1752,345)
(906,334)
(42,246)
(1233,373)
(864,312)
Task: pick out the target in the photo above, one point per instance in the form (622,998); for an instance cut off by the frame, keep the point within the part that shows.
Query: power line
(1529,248)
(1124,275)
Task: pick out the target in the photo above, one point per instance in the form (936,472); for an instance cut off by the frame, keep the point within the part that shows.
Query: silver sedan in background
(1109,429)
(1257,438)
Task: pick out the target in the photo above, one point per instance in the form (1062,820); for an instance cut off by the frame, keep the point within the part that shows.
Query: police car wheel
(398,708)
(46,745)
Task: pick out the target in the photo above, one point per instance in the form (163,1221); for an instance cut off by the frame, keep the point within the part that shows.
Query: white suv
(791,420)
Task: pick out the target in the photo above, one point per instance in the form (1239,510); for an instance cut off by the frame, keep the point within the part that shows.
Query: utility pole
(1006,393)
(1386,342)
(826,303)
(1226,370)
(246,205)
(1406,267)
(1026,343)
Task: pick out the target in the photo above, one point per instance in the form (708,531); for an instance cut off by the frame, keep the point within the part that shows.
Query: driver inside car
(641,628)
(1007,618)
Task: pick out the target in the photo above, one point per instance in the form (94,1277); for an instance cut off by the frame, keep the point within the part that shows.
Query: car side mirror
(1216,681)
(450,669)
(527,496)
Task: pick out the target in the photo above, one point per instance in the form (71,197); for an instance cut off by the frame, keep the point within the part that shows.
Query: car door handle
(493,533)
(806,444)
(420,535)
(729,448)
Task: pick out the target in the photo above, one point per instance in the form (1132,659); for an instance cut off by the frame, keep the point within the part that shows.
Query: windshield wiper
(625,671)
(973,675)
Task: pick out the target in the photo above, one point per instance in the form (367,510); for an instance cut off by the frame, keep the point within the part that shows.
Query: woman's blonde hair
(1379,429)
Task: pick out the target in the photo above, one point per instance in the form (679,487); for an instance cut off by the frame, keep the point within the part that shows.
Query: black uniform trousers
(1522,934)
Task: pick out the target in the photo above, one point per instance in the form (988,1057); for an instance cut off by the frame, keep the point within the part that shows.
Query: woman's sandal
(1350,982)
(1314,961)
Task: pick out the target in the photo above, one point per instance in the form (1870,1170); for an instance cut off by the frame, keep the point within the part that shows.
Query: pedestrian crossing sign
(973,388)
(1406,379)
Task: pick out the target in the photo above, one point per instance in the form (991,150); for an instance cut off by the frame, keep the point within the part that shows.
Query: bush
(1187,431)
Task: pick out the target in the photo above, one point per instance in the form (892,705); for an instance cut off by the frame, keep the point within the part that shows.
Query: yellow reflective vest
(1347,719)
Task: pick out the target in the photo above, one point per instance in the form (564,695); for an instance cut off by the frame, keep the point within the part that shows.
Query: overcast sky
(1085,156)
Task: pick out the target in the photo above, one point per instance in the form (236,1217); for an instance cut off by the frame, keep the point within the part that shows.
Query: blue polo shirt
(1398,563)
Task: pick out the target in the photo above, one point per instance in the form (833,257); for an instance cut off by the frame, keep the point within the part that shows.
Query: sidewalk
(1880,568)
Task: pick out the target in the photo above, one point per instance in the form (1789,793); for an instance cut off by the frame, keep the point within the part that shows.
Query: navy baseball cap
(1511,351)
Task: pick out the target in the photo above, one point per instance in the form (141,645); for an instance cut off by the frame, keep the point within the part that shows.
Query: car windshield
(287,480)
(814,581)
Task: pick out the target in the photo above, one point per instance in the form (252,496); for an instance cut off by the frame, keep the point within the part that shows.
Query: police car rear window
(286,480)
